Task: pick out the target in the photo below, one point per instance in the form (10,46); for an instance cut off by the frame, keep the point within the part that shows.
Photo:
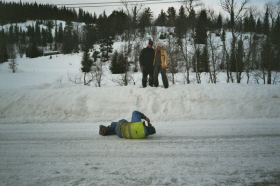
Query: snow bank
(76,103)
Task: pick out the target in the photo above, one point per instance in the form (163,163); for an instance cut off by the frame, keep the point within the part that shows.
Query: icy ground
(194,152)
(222,134)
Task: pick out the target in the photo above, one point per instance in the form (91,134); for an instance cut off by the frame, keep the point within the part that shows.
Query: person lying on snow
(136,129)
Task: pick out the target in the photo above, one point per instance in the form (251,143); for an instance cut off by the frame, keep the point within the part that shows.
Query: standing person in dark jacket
(146,63)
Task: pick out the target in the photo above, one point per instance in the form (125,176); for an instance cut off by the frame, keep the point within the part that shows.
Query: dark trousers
(157,70)
(147,72)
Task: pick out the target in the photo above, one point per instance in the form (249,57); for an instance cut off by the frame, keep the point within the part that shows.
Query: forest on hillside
(239,41)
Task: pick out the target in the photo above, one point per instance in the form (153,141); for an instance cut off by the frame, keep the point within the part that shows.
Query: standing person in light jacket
(160,65)
(136,129)
(146,59)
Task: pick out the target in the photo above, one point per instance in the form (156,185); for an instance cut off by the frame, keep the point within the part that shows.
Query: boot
(103,131)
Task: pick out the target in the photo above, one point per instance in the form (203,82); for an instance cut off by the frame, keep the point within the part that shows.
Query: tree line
(13,12)
(198,39)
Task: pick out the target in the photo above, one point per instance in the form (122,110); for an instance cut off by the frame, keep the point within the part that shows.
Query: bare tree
(97,73)
(215,53)
(183,49)
(13,64)
(251,51)
(136,51)
(132,11)
(76,78)
(124,79)
(153,32)
(236,14)
(173,57)
(190,7)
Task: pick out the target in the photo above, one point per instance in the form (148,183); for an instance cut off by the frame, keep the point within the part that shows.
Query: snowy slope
(40,92)
(60,103)
(223,134)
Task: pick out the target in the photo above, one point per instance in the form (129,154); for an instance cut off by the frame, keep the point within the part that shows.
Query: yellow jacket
(164,58)
(133,130)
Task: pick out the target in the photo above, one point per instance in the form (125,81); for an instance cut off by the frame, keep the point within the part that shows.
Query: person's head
(150,44)
(151,130)
(159,46)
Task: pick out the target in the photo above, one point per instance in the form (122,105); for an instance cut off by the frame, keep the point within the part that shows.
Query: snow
(207,134)
(193,152)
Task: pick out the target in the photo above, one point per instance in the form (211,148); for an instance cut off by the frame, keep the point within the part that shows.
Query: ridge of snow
(76,103)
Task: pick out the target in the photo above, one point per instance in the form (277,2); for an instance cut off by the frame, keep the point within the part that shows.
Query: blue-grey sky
(156,8)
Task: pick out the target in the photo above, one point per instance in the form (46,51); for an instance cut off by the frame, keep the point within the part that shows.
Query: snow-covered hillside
(207,134)
(40,92)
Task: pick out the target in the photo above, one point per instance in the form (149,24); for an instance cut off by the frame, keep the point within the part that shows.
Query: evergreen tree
(49,36)
(106,47)
(119,63)
(266,29)
(239,60)
(81,15)
(145,20)
(122,63)
(267,55)
(44,37)
(219,23)
(259,27)
(114,68)
(68,41)
(162,19)
(181,24)
(118,22)
(275,34)
(240,56)
(86,63)
(32,50)
(3,47)
(192,21)
(205,60)
(171,16)
(202,28)
(276,43)
(37,34)
(3,53)
(59,38)
(252,23)
(89,35)
(106,36)
(233,60)
(246,24)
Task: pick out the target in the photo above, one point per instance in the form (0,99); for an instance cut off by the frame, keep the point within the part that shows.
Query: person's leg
(112,127)
(156,72)
(164,78)
(118,127)
(109,130)
(144,77)
(151,77)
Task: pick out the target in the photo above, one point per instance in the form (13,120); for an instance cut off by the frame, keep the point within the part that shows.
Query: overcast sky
(156,8)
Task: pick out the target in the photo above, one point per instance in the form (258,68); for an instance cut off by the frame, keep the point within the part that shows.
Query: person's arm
(141,58)
(166,59)
(137,116)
